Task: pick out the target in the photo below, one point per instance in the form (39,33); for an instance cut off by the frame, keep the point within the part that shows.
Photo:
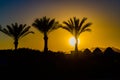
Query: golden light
(72,41)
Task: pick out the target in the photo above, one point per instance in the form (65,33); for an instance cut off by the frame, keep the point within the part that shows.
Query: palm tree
(16,31)
(75,27)
(45,25)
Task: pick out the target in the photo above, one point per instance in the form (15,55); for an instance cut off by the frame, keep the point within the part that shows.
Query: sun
(72,41)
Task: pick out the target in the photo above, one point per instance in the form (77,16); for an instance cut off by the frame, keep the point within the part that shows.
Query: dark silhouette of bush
(97,52)
(110,55)
(87,51)
(58,64)
(109,52)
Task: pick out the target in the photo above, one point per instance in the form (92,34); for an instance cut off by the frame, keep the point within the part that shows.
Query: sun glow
(72,41)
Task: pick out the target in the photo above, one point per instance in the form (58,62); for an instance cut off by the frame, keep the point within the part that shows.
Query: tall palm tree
(76,27)
(45,25)
(16,31)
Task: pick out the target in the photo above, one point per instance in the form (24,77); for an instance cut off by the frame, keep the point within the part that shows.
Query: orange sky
(105,27)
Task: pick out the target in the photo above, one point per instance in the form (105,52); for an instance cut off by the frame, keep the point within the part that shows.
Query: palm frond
(76,26)
(72,23)
(26,33)
(86,30)
(37,24)
(76,23)
(68,25)
(5,31)
(21,27)
(81,23)
(68,29)
(51,23)
(10,29)
(55,26)
(15,27)
(85,27)
(69,22)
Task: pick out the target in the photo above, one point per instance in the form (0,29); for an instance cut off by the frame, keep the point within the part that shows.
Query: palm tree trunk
(16,44)
(76,45)
(45,43)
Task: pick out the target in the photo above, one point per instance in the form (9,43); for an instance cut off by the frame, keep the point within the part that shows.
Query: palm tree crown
(76,27)
(45,25)
(16,31)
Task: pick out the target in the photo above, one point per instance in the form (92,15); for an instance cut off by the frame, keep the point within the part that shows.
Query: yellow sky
(105,28)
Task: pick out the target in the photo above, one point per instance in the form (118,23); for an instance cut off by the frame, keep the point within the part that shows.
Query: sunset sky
(104,14)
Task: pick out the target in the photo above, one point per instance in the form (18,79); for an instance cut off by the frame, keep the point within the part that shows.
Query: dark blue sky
(14,9)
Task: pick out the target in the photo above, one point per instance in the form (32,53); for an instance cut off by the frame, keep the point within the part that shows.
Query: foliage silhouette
(97,51)
(75,27)
(87,51)
(16,31)
(109,52)
(58,64)
(45,25)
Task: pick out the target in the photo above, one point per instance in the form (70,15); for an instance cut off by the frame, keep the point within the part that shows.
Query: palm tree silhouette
(16,31)
(75,27)
(45,25)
